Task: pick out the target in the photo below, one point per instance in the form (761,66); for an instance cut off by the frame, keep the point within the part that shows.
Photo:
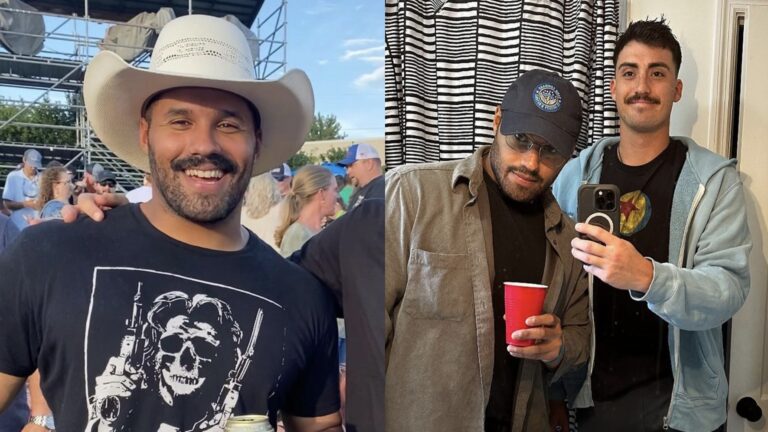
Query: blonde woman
(263,208)
(312,199)
(55,190)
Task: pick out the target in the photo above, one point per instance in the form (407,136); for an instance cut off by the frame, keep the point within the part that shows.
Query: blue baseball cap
(34,158)
(357,152)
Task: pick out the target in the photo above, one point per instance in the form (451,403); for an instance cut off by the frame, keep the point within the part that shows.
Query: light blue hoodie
(702,286)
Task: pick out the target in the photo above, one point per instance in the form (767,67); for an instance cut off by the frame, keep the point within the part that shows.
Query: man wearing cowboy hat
(183,318)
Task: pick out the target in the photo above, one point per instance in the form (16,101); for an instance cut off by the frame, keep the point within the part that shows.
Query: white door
(749,343)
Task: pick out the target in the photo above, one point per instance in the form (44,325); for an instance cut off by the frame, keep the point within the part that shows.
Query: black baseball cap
(544,104)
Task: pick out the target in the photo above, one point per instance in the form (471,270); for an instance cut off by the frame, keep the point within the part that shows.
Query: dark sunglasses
(108,183)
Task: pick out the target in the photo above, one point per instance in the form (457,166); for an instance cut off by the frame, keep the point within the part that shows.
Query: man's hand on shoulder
(93,206)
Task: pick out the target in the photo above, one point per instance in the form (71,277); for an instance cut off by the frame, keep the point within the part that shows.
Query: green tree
(44,114)
(333,155)
(325,127)
(300,159)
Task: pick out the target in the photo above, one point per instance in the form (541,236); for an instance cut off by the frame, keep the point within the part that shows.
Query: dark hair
(655,33)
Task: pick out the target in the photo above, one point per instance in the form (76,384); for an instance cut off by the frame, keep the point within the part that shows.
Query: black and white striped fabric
(449,63)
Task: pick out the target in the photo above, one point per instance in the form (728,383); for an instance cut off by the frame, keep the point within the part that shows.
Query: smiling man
(455,232)
(184,318)
(679,268)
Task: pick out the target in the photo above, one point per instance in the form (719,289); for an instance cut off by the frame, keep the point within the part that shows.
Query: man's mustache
(645,98)
(192,162)
(526,172)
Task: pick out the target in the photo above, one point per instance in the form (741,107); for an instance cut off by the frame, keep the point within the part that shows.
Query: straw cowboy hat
(196,51)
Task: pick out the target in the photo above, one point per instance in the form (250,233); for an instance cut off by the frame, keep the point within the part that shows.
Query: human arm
(37,403)
(613,260)
(399,220)
(13,197)
(715,287)
(93,206)
(566,339)
(714,283)
(546,331)
(9,387)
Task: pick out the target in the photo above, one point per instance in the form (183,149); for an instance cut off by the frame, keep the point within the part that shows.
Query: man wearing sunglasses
(455,232)
(105,182)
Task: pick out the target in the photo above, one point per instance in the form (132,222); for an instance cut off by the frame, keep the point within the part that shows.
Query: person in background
(21,189)
(106,182)
(55,191)
(364,172)
(283,176)
(15,417)
(142,193)
(311,200)
(263,208)
(88,182)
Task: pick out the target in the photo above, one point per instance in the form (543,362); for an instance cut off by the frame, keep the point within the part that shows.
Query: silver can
(249,423)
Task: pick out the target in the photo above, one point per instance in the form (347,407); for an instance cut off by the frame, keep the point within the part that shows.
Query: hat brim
(515,122)
(346,162)
(115,91)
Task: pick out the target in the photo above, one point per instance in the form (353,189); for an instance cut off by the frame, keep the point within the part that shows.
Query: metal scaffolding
(53,79)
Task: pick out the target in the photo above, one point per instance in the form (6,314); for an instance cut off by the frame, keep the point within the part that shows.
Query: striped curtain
(449,63)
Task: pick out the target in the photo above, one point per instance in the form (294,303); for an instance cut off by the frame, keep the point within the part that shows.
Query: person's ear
(144,135)
(496,119)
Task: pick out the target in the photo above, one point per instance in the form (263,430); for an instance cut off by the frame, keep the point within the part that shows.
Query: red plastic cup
(522,301)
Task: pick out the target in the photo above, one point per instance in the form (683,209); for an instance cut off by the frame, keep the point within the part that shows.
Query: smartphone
(598,204)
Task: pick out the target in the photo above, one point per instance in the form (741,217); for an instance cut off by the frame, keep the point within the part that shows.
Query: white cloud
(321,7)
(359,41)
(322,62)
(364,52)
(373,77)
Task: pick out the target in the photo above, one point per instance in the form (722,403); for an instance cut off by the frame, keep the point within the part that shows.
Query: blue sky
(340,45)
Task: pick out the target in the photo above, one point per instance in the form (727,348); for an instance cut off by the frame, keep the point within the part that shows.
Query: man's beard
(203,209)
(514,191)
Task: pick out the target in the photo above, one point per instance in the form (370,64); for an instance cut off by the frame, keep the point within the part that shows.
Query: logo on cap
(547,98)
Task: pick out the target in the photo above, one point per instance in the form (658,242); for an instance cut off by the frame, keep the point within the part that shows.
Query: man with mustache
(250,333)
(678,268)
(455,232)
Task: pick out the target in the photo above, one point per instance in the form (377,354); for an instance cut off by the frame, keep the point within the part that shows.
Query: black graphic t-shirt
(135,331)
(632,348)
(519,249)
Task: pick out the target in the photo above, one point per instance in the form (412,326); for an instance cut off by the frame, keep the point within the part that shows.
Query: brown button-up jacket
(439,316)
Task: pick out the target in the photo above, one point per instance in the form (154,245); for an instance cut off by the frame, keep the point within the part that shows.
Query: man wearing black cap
(455,232)
(106,182)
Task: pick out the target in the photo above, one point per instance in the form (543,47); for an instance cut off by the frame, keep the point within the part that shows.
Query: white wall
(694,24)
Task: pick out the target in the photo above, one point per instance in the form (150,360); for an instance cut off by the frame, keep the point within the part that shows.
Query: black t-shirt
(348,257)
(374,189)
(201,331)
(632,348)
(519,249)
